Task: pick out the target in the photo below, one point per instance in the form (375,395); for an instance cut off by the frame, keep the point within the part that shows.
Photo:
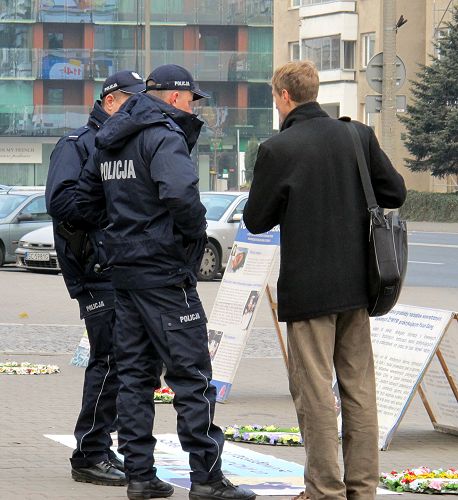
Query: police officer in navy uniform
(81,255)
(155,240)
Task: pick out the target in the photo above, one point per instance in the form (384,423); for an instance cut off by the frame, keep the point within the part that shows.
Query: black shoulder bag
(387,244)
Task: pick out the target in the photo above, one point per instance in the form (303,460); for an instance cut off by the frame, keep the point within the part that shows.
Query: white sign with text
(20,152)
(404,342)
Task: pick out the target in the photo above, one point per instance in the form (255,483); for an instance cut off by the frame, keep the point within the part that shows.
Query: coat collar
(303,112)
(98,116)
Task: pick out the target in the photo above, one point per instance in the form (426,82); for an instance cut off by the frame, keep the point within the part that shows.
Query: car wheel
(2,255)
(211,263)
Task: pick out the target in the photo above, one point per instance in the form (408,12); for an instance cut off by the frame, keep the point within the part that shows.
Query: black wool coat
(306,179)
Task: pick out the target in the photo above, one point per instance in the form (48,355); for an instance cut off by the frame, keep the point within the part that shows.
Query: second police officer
(143,172)
(81,255)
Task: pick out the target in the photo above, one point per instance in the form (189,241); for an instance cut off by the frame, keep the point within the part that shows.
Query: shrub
(430,207)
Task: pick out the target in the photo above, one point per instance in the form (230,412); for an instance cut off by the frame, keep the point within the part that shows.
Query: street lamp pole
(147,18)
(238,158)
(389,77)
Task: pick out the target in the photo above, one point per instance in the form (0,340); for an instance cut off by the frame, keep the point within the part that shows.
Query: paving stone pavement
(16,339)
(35,468)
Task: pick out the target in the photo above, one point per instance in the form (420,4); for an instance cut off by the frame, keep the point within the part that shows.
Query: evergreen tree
(432,119)
(250,158)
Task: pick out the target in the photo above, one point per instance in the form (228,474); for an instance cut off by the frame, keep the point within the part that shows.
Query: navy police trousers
(98,409)
(167,323)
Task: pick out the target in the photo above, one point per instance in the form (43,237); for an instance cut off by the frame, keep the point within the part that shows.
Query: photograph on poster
(214,339)
(237,259)
(249,308)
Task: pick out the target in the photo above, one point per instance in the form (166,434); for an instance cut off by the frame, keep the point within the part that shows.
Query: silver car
(224,212)
(22,209)
(36,251)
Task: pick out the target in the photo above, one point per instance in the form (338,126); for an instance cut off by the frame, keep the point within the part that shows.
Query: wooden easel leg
(450,379)
(426,403)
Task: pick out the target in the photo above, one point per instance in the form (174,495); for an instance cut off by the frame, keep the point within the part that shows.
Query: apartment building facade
(55,55)
(341,37)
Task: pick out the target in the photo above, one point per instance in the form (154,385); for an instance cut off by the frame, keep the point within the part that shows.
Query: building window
(441,34)
(55,41)
(368,48)
(370,119)
(295,3)
(324,52)
(55,97)
(294,51)
(349,54)
(167,38)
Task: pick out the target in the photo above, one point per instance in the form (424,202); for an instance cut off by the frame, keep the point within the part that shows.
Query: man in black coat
(81,254)
(143,173)
(306,179)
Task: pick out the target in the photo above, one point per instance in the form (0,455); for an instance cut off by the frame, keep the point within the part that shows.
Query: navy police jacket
(142,171)
(67,160)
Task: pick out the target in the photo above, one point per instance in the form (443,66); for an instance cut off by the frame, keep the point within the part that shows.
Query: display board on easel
(237,303)
(406,342)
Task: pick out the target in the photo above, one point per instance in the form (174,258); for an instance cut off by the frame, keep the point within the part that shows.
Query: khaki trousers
(314,346)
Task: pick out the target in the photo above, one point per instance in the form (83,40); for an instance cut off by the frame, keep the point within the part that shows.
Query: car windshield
(9,203)
(216,204)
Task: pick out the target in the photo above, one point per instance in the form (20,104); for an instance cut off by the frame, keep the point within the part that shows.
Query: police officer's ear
(113,101)
(173,97)
(108,102)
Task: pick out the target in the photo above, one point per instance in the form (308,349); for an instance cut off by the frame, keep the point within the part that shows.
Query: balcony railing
(74,64)
(32,121)
(204,65)
(220,12)
(54,121)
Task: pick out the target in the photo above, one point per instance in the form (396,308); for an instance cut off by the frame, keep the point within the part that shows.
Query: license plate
(42,256)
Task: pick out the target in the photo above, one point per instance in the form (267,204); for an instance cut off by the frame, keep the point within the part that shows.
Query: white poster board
(440,392)
(237,302)
(404,342)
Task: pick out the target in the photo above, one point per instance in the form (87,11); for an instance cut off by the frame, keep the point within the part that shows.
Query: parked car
(224,212)
(36,251)
(22,209)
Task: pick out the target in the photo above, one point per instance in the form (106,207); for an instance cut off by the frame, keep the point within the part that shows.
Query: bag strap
(372,204)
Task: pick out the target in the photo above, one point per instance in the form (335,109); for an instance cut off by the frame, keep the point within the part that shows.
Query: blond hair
(299,78)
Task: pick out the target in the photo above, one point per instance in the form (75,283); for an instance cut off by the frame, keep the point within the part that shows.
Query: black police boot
(222,489)
(103,473)
(116,462)
(139,490)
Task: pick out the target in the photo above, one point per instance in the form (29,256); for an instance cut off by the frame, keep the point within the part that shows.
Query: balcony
(219,12)
(311,8)
(212,66)
(16,64)
(40,121)
(74,64)
(17,10)
(54,121)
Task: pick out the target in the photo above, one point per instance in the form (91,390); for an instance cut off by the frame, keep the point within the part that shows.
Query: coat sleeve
(90,196)
(388,184)
(265,202)
(64,171)
(173,170)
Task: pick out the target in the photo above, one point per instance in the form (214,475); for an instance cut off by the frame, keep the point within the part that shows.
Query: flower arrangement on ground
(163,395)
(423,480)
(13,368)
(260,434)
